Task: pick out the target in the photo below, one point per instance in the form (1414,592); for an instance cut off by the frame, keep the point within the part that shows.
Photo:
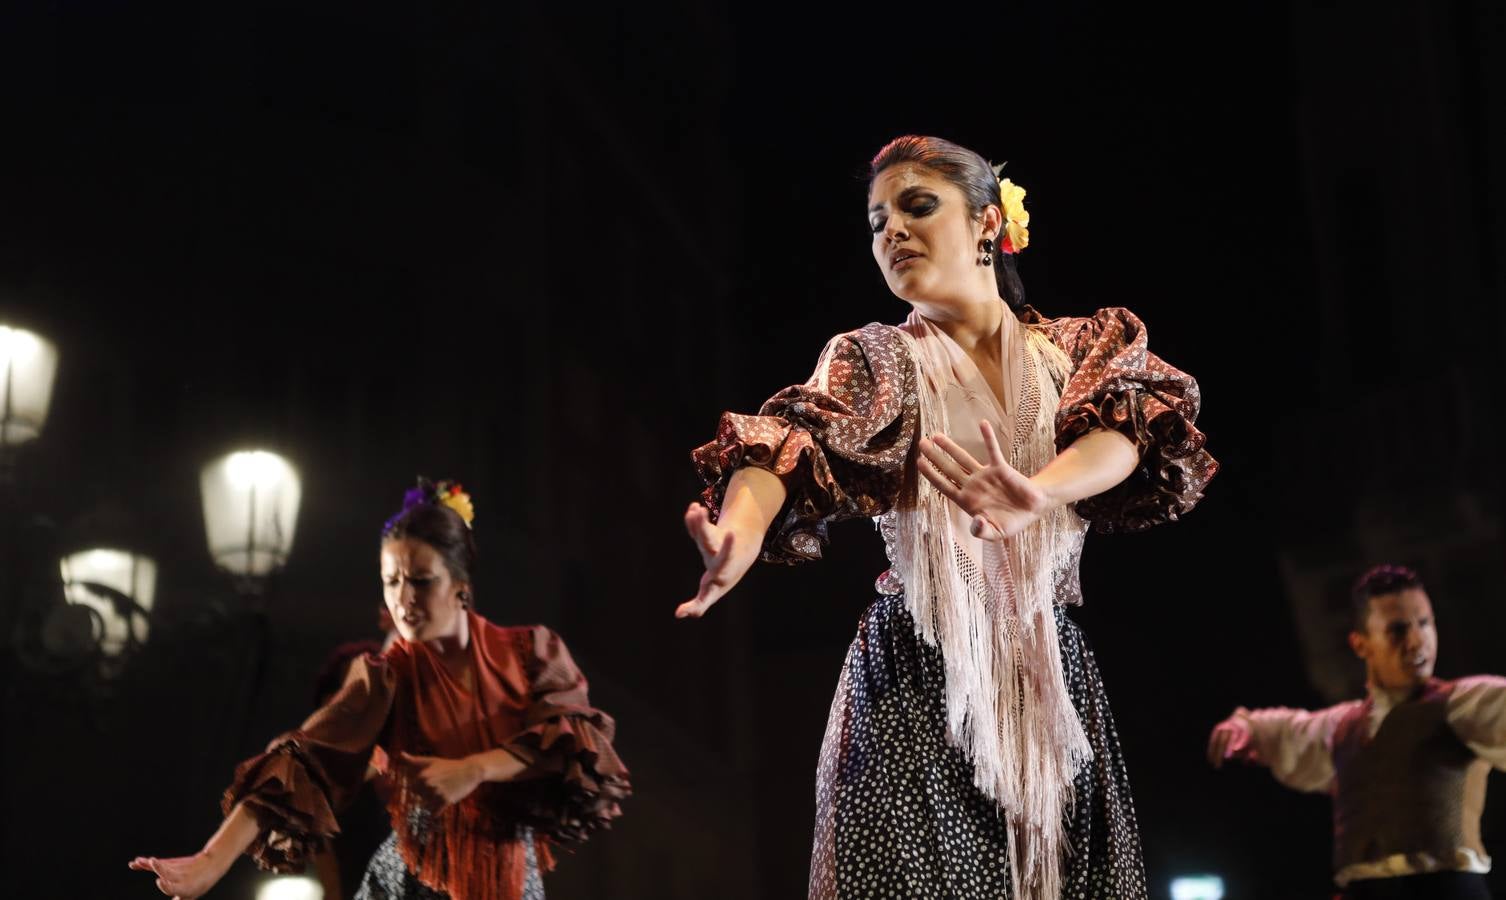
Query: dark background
(540,247)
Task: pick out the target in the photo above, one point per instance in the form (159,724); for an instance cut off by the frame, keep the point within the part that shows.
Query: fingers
(984,529)
(690,609)
(949,457)
(698,524)
(1218,747)
(418,768)
(414,762)
(943,484)
(991,441)
(711,590)
(713,582)
(956,451)
(142,864)
(722,555)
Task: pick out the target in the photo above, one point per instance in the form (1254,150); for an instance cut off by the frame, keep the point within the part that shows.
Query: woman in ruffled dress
(487,746)
(970,750)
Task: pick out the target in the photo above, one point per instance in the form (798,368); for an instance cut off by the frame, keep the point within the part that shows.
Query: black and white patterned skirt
(387,878)
(897,812)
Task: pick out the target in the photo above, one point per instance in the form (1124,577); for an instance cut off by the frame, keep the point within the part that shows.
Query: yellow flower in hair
(1016,217)
(458,500)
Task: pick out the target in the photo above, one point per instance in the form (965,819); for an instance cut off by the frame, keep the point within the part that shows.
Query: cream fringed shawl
(989,606)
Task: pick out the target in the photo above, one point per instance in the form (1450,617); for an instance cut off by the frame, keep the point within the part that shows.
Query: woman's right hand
(182,877)
(726,559)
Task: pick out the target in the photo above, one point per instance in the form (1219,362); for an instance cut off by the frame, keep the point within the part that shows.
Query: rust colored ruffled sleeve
(839,441)
(1118,383)
(576,780)
(295,788)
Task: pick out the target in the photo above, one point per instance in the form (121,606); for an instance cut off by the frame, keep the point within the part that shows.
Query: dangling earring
(465,599)
(988,252)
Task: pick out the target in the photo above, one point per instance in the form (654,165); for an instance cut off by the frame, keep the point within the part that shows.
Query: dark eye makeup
(918,202)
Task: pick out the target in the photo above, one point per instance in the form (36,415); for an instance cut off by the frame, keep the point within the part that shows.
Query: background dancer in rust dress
(485,734)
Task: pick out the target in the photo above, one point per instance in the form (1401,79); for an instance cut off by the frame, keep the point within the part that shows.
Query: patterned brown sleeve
(1118,383)
(840,441)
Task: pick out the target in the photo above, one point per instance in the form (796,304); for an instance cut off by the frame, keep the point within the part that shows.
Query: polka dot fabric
(897,812)
(386,878)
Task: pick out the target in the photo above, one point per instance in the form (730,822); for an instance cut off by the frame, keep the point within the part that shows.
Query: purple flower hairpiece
(444,493)
(411,498)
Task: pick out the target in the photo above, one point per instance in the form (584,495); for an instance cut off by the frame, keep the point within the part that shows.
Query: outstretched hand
(1230,740)
(725,559)
(182,877)
(1000,499)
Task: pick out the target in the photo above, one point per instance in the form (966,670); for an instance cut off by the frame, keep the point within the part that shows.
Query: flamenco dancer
(970,750)
(488,746)
(1406,766)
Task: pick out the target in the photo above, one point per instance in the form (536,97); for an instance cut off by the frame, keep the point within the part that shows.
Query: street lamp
(250,510)
(1197,887)
(119,586)
(290,887)
(28,366)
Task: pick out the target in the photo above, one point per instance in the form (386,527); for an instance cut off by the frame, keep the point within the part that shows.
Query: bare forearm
(1091,465)
(235,834)
(499,765)
(754,497)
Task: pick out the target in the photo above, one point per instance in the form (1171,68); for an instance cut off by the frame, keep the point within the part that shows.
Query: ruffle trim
(588,781)
(799,533)
(287,792)
(1173,470)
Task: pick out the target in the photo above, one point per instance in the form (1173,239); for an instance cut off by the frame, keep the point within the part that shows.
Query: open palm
(1001,501)
(182,877)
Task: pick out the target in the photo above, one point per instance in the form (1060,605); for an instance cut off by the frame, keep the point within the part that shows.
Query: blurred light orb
(1197,887)
(134,576)
(251,502)
(28,367)
(290,887)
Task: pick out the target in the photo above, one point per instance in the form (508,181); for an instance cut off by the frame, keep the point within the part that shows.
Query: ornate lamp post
(28,366)
(118,587)
(250,510)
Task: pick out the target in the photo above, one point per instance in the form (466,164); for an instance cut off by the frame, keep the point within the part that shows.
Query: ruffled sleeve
(1117,383)
(294,789)
(839,442)
(576,780)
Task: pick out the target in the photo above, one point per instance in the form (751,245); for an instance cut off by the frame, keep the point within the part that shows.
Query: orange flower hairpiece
(1016,236)
(1016,217)
(451,494)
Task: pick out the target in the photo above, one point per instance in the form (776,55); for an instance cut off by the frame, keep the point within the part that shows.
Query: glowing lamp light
(28,365)
(250,509)
(290,887)
(1197,887)
(129,583)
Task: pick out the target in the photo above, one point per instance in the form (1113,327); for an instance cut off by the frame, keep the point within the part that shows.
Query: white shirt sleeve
(1477,713)
(1296,744)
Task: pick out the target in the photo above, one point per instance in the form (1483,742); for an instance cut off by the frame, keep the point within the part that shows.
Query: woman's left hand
(441,781)
(1001,501)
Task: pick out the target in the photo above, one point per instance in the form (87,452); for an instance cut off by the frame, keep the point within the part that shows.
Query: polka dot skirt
(387,878)
(898,814)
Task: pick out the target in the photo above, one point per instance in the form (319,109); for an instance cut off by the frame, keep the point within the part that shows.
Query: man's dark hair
(1377,582)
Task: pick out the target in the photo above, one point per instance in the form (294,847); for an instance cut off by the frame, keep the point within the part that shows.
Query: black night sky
(541,247)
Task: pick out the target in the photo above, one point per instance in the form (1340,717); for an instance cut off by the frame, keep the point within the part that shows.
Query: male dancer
(1406,766)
